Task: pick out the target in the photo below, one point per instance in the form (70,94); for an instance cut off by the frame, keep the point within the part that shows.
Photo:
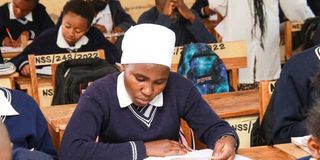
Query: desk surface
(292,150)
(234,104)
(264,153)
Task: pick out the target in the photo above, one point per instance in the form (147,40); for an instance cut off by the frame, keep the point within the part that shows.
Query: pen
(9,34)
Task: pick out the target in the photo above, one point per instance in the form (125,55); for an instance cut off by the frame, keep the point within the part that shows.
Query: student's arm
(123,19)
(288,118)
(199,31)
(198,6)
(45,21)
(83,128)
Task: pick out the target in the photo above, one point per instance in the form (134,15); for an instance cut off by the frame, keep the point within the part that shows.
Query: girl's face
(22,7)
(73,27)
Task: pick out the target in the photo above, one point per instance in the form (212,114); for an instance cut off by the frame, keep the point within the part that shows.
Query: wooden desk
(8,80)
(264,153)
(292,150)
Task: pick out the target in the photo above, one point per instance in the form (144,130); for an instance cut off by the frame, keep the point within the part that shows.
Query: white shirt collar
(62,43)
(124,98)
(12,16)
(104,17)
(6,108)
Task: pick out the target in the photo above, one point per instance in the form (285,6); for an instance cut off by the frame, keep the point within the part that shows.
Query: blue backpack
(204,68)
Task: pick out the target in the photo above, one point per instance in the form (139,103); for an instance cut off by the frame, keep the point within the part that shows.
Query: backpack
(310,33)
(73,76)
(262,133)
(204,68)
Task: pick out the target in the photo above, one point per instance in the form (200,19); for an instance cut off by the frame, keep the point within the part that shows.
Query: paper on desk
(44,70)
(204,154)
(5,49)
(301,142)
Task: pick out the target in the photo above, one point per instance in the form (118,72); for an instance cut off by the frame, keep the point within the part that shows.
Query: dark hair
(259,19)
(81,8)
(313,118)
(98,5)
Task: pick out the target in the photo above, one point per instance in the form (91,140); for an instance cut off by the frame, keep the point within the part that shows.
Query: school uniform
(293,99)
(25,123)
(35,22)
(106,111)
(52,41)
(198,7)
(185,31)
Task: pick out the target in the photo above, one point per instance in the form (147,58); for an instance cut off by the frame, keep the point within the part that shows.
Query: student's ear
(314,146)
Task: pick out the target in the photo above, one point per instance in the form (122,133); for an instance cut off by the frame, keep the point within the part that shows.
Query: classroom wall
(133,7)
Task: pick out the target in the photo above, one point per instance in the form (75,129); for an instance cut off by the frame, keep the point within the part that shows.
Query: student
(292,100)
(136,113)
(5,145)
(26,126)
(22,17)
(202,8)
(75,34)
(176,16)
(111,17)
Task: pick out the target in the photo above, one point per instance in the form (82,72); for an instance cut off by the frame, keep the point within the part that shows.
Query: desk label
(58,58)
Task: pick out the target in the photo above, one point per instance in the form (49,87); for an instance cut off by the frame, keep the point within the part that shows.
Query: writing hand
(224,149)
(160,148)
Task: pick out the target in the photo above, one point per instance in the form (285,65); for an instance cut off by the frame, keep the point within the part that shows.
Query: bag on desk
(74,76)
(204,68)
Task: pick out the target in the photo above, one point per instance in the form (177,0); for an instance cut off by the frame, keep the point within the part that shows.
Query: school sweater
(123,131)
(46,43)
(293,99)
(185,31)
(29,129)
(41,21)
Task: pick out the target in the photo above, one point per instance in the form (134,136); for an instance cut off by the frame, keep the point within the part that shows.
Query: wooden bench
(289,28)
(238,108)
(233,55)
(266,89)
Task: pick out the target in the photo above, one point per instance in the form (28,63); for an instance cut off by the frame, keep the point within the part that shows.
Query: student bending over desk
(75,34)
(136,113)
(22,17)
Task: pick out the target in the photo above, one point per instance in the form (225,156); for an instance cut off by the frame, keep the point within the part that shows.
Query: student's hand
(168,7)
(165,147)
(224,149)
(10,43)
(25,70)
(185,11)
(101,28)
(117,30)
(114,39)
(25,34)
(207,11)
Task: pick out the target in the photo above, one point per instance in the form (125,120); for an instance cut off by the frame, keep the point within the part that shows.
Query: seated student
(111,17)
(26,125)
(202,8)
(176,16)
(136,113)
(292,99)
(75,34)
(5,145)
(22,17)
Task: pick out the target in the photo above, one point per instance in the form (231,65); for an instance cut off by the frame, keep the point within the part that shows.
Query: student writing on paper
(75,34)
(22,17)
(175,15)
(26,126)
(136,113)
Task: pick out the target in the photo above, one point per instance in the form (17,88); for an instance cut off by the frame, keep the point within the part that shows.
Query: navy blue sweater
(185,31)
(46,43)
(41,21)
(29,129)
(122,135)
(293,100)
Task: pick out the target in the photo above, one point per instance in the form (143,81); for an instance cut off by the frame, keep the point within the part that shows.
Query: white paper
(44,70)
(204,154)
(5,49)
(301,142)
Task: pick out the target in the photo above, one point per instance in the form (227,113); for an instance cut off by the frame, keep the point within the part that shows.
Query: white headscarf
(148,43)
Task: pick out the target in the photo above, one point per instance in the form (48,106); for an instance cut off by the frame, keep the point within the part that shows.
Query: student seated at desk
(22,17)
(26,126)
(75,34)
(176,16)
(202,8)
(136,113)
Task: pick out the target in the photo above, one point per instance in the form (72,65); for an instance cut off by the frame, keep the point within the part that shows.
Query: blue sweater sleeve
(79,142)
(288,119)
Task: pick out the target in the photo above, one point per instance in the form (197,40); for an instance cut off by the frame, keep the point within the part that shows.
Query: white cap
(148,43)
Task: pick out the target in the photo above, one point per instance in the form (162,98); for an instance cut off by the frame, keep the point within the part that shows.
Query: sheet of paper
(301,142)
(44,70)
(10,49)
(204,154)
